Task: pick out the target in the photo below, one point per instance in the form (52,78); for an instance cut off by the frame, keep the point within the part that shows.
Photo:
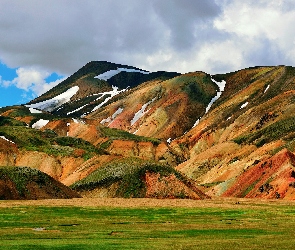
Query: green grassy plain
(207,225)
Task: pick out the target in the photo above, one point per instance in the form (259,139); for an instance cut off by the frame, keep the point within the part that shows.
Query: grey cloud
(62,35)
(185,18)
(65,34)
(266,53)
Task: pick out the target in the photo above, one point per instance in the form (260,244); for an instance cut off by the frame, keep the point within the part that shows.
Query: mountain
(247,127)
(93,86)
(195,134)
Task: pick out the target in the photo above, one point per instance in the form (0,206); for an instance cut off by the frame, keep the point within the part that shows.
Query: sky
(43,42)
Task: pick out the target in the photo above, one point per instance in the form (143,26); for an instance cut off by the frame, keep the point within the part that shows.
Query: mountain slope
(136,178)
(165,109)
(250,122)
(231,134)
(92,86)
(20,183)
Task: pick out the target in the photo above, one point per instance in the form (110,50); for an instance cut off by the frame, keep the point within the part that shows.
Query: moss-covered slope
(136,178)
(23,183)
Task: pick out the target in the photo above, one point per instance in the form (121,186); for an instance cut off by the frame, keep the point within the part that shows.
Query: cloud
(262,28)
(28,77)
(63,35)
(186,20)
(177,35)
(31,80)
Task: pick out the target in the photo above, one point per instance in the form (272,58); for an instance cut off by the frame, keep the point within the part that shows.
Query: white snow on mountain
(77,109)
(4,138)
(78,121)
(221,86)
(56,101)
(35,111)
(197,122)
(267,88)
(109,74)
(110,119)
(244,105)
(112,93)
(40,123)
(140,113)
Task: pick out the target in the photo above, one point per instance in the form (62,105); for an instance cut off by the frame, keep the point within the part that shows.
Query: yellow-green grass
(224,226)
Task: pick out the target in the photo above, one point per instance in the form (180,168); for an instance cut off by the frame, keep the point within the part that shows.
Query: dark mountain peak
(94,84)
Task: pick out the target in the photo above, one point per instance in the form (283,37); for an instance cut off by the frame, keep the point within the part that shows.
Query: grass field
(147,224)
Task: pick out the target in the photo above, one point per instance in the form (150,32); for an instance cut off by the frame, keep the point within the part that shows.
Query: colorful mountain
(195,134)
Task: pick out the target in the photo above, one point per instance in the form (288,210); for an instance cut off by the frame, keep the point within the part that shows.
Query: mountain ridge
(213,129)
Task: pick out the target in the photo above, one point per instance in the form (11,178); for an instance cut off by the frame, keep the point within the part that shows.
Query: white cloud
(42,88)
(31,79)
(220,57)
(4,83)
(262,25)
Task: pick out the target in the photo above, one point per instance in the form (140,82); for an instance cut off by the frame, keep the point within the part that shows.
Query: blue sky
(13,92)
(11,95)
(42,42)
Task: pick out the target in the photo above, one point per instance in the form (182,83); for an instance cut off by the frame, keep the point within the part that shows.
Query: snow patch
(39,124)
(141,112)
(197,122)
(107,120)
(244,105)
(221,86)
(56,101)
(135,131)
(110,119)
(35,111)
(109,74)
(169,140)
(77,109)
(113,93)
(78,121)
(4,138)
(267,88)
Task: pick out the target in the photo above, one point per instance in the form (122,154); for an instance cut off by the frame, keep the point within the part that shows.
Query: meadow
(147,224)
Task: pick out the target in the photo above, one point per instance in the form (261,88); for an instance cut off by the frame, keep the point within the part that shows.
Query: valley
(116,223)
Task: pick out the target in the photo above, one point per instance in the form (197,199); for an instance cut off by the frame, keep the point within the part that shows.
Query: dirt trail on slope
(146,202)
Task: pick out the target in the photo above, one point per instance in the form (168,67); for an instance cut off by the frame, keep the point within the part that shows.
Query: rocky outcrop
(272,179)
(171,187)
